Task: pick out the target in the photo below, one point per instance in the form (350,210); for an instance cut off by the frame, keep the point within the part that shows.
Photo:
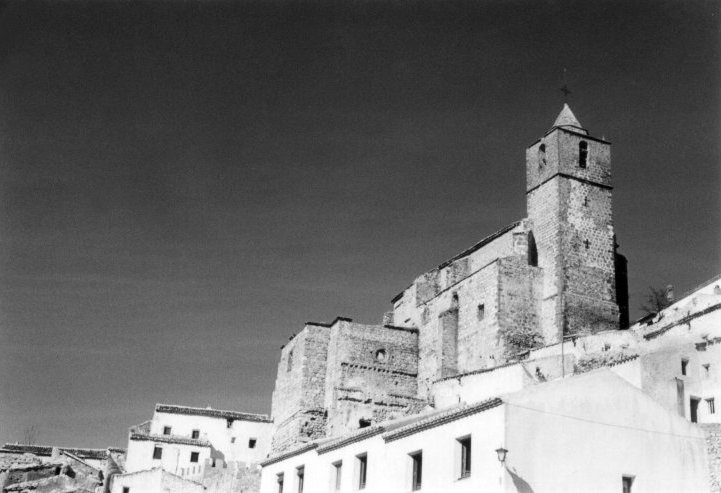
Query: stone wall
(713,450)
(298,398)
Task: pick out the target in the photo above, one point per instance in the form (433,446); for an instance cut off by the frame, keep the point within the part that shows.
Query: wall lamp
(501,455)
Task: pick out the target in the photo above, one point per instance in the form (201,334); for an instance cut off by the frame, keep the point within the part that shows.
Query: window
(585,201)
(289,364)
(232,439)
(541,155)
(364,423)
(711,406)
(228,423)
(194,456)
(252,442)
(481,311)
(126,489)
(166,430)
(706,369)
(381,356)
(587,244)
(337,469)
(157,453)
(465,468)
(417,459)
(582,153)
(300,473)
(684,365)
(627,482)
(362,471)
(280,479)
(694,409)
(195,434)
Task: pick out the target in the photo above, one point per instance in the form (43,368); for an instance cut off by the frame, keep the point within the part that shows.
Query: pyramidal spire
(567,118)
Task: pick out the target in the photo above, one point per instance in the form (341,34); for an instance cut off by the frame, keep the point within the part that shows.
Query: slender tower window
(541,155)
(582,153)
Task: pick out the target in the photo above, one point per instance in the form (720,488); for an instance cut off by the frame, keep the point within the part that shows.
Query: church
(553,274)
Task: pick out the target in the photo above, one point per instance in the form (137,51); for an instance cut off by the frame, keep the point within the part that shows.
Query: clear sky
(184,184)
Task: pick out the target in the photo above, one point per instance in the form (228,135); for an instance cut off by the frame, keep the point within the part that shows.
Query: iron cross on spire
(565,90)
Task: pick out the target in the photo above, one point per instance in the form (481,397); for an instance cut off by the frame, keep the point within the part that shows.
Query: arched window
(582,153)
(541,155)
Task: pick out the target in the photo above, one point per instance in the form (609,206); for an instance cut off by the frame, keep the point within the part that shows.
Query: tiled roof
(290,453)
(47,450)
(657,332)
(143,437)
(211,413)
(441,418)
(348,439)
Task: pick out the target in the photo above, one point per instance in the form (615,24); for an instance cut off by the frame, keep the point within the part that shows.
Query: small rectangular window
(582,154)
(194,456)
(126,489)
(166,430)
(711,406)
(417,459)
(465,456)
(195,434)
(280,480)
(228,423)
(627,482)
(362,470)
(684,366)
(232,439)
(300,472)
(706,370)
(481,311)
(157,453)
(337,470)
(252,442)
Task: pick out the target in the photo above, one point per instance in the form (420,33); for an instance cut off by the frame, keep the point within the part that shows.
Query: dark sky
(185,184)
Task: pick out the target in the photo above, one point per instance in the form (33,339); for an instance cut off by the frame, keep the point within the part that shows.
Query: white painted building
(591,432)
(194,444)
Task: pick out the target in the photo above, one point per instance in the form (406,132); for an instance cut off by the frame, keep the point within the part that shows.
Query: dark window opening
(289,364)
(364,423)
(582,153)
(157,453)
(707,369)
(627,482)
(228,423)
(213,463)
(252,442)
(541,155)
(381,356)
(194,456)
(232,439)
(587,244)
(337,469)
(684,366)
(711,406)
(167,430)
(694,409)
(585,201)
(481,311)
(300,472)
(465,444)
(280,482)
(362,470)
(126,489)
(195,434)
(417,459)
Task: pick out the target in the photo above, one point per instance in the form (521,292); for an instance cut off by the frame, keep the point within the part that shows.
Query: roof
(174,439)
(296,451)
(47,450)
(480,244)
(566,118)
(211,413)
(441,418)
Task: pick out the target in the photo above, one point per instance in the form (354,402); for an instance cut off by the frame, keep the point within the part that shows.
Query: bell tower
(568,198)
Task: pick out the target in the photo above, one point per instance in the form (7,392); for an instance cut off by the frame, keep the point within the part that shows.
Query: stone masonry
(549,275)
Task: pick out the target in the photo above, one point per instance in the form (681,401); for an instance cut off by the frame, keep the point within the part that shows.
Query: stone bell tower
(568,197)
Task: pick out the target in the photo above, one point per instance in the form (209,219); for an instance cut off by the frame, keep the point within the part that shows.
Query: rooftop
(47,450)
(211,413)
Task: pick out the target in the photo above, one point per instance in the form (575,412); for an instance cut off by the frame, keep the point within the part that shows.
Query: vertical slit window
(337,470)
(280,480)
(362,470)
(300,472)
(582,153)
